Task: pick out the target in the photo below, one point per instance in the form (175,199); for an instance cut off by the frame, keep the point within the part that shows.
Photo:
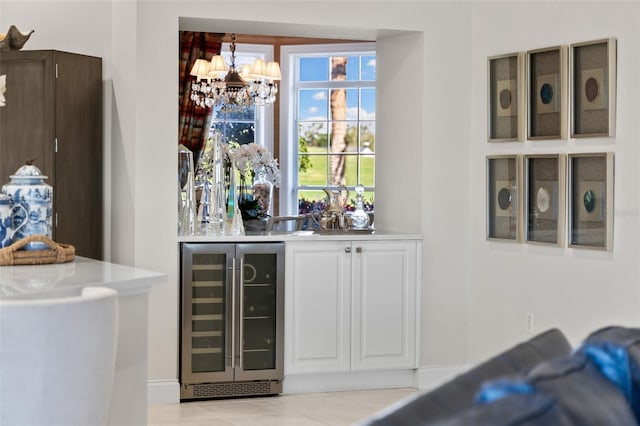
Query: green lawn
(317,174)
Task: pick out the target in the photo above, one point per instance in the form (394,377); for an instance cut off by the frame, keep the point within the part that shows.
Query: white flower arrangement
(250,158)
(3,89)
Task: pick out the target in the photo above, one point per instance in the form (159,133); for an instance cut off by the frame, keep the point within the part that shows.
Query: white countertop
(301,236)
(63,279)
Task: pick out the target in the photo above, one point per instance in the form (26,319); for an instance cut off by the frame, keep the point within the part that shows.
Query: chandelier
(217,85)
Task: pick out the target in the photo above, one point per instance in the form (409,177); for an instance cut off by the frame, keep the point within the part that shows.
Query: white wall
(575,290)
(445,193)
(122,94)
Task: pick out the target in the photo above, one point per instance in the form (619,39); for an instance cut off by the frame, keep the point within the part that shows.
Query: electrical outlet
(530,324)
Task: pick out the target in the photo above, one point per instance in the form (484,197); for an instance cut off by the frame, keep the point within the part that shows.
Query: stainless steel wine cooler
(232,320)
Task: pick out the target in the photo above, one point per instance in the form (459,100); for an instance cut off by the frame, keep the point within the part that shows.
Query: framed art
(544,204)
(593,88)
(503,200)
(591,200)
(505,96)
(547,89)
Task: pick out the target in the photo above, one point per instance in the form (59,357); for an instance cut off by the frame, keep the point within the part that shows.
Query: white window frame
(289,105)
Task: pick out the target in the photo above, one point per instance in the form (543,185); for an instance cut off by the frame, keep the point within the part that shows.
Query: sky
(314,103)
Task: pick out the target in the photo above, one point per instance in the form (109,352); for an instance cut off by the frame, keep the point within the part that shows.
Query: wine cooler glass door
(260,311)
(207,298)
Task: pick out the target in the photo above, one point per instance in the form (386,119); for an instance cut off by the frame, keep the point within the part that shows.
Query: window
(332,116)
(251,124)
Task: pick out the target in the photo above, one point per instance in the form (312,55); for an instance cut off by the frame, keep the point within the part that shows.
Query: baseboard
(328,382)
(168,391)
(431,377)
(163,392)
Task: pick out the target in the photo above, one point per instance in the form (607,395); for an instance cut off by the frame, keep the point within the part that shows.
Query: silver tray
(343,231)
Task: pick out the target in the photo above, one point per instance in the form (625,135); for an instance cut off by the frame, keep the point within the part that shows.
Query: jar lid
(28,171)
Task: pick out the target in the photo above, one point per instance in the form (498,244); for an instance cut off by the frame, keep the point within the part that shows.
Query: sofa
(543,381)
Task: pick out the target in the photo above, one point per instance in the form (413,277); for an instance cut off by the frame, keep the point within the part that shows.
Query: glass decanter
(359,218)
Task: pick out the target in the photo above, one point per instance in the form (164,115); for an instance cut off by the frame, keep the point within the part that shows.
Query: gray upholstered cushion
(459,393)
(512,410)
(561,392)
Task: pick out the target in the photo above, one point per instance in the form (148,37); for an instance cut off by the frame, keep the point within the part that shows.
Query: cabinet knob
(358,249)
(347,249)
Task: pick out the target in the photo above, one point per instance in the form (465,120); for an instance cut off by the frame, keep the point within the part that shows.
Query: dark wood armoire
(53,115)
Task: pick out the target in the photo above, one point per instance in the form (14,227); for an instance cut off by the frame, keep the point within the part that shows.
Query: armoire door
(27,121)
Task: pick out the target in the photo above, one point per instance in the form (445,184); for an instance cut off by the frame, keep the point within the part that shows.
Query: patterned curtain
(193,119)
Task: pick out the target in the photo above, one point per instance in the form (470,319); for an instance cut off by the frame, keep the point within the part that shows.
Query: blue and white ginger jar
(28,188)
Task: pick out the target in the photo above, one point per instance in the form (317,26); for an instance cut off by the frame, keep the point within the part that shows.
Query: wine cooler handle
(241,304)
(233,312)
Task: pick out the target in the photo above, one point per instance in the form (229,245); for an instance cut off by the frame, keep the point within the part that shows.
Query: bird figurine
(13,39)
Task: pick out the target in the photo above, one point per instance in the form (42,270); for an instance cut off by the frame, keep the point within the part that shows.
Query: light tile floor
(310,409)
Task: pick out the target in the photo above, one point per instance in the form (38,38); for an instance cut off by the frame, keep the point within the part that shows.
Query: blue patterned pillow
(616,352)
(580,393)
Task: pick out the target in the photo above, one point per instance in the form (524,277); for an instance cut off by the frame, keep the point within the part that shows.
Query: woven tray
(57,253)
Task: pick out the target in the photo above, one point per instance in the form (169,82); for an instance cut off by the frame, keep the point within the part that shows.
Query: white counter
(302,236)
(67,278)
(129,396)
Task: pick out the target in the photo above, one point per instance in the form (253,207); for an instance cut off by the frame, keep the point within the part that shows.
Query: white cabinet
(350,305)
(383,305)
(317,307)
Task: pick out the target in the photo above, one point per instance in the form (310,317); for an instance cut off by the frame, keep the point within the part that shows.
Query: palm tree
(338,117)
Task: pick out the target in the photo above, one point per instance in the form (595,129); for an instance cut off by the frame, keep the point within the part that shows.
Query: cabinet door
(317,307)
(384,305)
(78,207)
(27,122)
